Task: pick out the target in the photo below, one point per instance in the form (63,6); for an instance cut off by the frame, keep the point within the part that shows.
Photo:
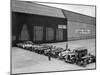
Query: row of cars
(78,56)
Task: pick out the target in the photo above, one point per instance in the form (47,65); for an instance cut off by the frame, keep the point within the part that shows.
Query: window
(62,26)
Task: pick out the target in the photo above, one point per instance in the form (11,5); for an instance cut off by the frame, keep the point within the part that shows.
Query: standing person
(49,54)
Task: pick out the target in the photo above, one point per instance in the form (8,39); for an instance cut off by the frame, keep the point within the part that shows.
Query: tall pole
(66,45)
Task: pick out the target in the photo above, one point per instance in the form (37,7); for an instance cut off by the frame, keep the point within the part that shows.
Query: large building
(80,26)
(42,24)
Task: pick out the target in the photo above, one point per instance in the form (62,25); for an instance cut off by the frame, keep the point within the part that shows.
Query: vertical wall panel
(78,30)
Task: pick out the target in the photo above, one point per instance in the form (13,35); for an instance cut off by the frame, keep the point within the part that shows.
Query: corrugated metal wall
(80,26)
(33,8)
(78,30)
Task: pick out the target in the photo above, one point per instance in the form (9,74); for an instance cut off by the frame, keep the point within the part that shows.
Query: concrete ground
(24,61)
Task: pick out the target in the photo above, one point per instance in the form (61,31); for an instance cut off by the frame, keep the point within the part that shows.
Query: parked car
(79,57)
(48,51)
(83,61)
(40,48)
(20,44)
(63,53)
(71,57)
(25,44)
(55,52)
(81,51)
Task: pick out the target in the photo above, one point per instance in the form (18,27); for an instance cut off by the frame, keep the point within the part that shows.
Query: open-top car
(62,54)
(71,57)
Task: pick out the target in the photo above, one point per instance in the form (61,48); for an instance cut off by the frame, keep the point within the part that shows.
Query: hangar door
(38,33)
(24,33)
(49,34)
(59,34)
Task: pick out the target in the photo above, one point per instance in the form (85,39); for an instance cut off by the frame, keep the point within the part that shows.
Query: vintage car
(28,45)
(62,54)
(54,52)
(80,51)
(83,61)
(20,44)
(25,44)
(71,57)
(48,51)
(40,49)
(34,47)
(79,57)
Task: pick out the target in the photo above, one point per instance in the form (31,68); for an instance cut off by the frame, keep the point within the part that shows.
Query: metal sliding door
(49,34)
(24,33)
(38,33)
(59,34)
